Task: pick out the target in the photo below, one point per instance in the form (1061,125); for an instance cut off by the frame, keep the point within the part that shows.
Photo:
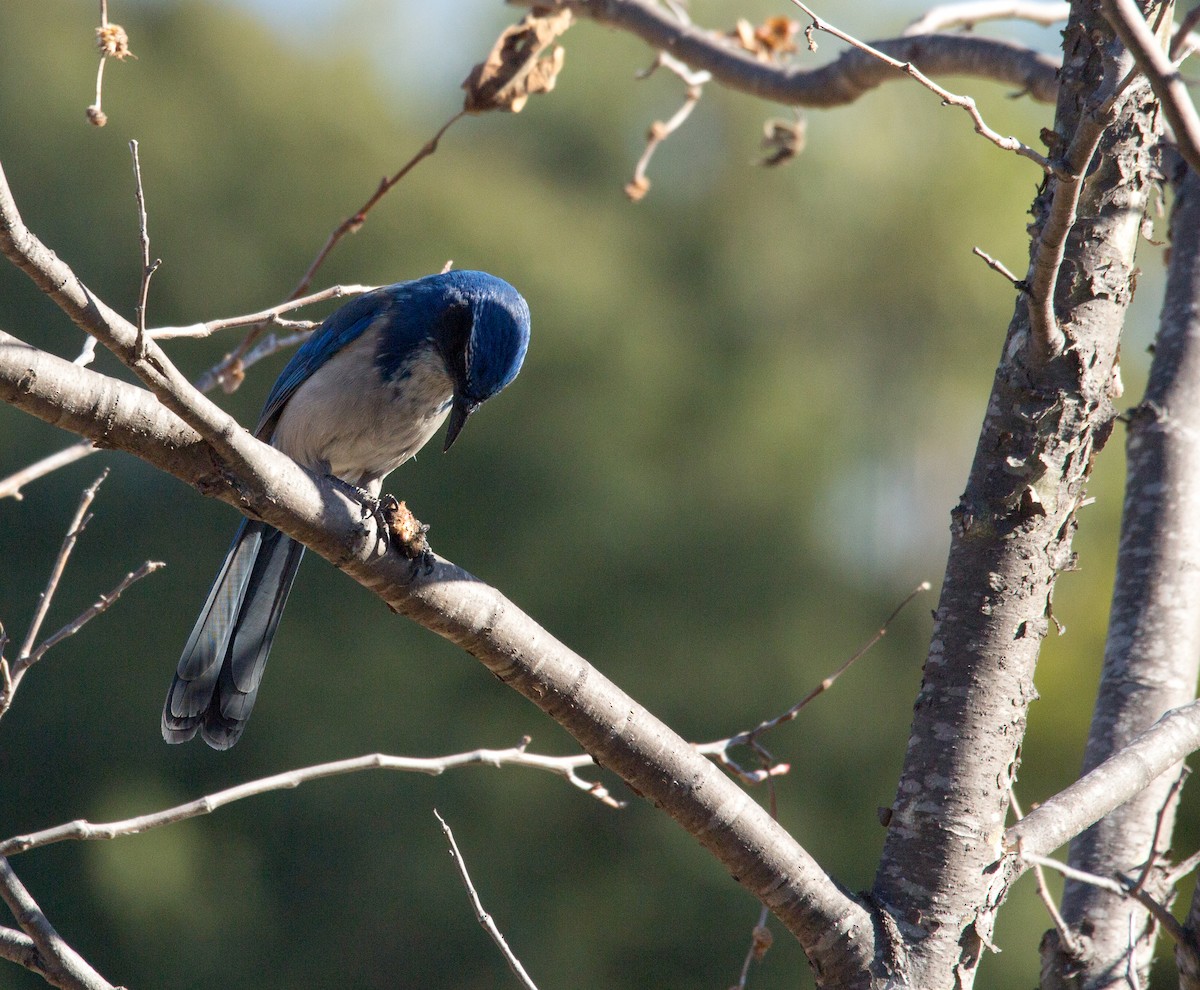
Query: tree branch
(82,830)
(1124,774)
(834,928)
(1165,78)
(838,83)
(484,919)
(1152,655)
(61,965)
(1011,536)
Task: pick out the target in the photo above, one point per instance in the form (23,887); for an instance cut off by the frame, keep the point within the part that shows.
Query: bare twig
(484,919)
(354,222)
(949,99)
(148,267)
(11,486)
(720,749)
(1165,79)
(1065,935)
(966,15)
(1121,886)
(350,225)
(78,524)
(262,316)
(1159,826)
(999,266)
(1104,883)
(1184,41)
(1182,869)
(27,656)
(1048,338)
(223,373)
(102,604)
(85,831)
(660,131)
(63,965)
(760,941)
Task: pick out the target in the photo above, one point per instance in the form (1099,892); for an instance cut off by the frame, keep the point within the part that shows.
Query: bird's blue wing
(342,327)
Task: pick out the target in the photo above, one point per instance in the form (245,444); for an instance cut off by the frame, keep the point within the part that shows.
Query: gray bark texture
(1153,647)
(1049,413)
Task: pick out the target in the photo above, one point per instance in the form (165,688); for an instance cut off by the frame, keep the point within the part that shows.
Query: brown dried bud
(761,941)
(638,188)
(113,42)
(96,117)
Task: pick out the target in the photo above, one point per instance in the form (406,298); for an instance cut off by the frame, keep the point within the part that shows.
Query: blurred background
(750,403)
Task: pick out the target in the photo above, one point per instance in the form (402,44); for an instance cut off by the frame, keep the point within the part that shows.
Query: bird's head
(482,333)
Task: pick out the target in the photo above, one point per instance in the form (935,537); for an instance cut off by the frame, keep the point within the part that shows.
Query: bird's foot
(410,534)
(369,505)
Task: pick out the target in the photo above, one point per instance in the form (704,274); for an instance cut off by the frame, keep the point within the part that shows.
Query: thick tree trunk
(1153,648)
(1050,411)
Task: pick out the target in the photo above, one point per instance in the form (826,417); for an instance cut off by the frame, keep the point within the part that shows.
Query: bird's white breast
(346,421)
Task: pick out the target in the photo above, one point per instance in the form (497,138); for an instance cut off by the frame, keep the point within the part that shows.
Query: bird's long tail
(222,664)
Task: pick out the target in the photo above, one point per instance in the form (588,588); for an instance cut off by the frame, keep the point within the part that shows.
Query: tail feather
(221,667)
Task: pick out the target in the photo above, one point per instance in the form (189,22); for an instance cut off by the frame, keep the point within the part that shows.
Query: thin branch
(226,373)
(720,749)
(966,15)
(484,919)
(262,316)
(760,941)
(11,486)
(1065,935)
(1165,79)
(82,830)
(1182,869)
(1111,784)
(64,967)
(950,99)
(1104,883)
(660,131)
(101,605)
(1121,887)
(354,222)
(1160,824)
(1068,180)
(1184,42)
(838,83)
(999,266)
(148,267)
(78,524)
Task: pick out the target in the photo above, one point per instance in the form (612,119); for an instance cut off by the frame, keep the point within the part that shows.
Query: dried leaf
(516,67)
(761,941)
(113,42)
(783,140)
(771,40)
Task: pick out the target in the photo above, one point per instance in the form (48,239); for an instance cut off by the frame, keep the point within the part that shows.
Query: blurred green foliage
(749,406)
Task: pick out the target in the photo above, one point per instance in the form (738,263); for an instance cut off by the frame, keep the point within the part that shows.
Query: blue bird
(362,396)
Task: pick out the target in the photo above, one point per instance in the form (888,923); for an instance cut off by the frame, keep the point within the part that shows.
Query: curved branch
(212,452)
(842,81)
(1116,780)
(620,734)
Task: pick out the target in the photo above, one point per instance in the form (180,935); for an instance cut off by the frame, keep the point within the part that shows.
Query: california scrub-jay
(362,396)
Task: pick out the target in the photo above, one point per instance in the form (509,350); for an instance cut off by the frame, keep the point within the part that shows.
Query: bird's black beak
(459,412)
